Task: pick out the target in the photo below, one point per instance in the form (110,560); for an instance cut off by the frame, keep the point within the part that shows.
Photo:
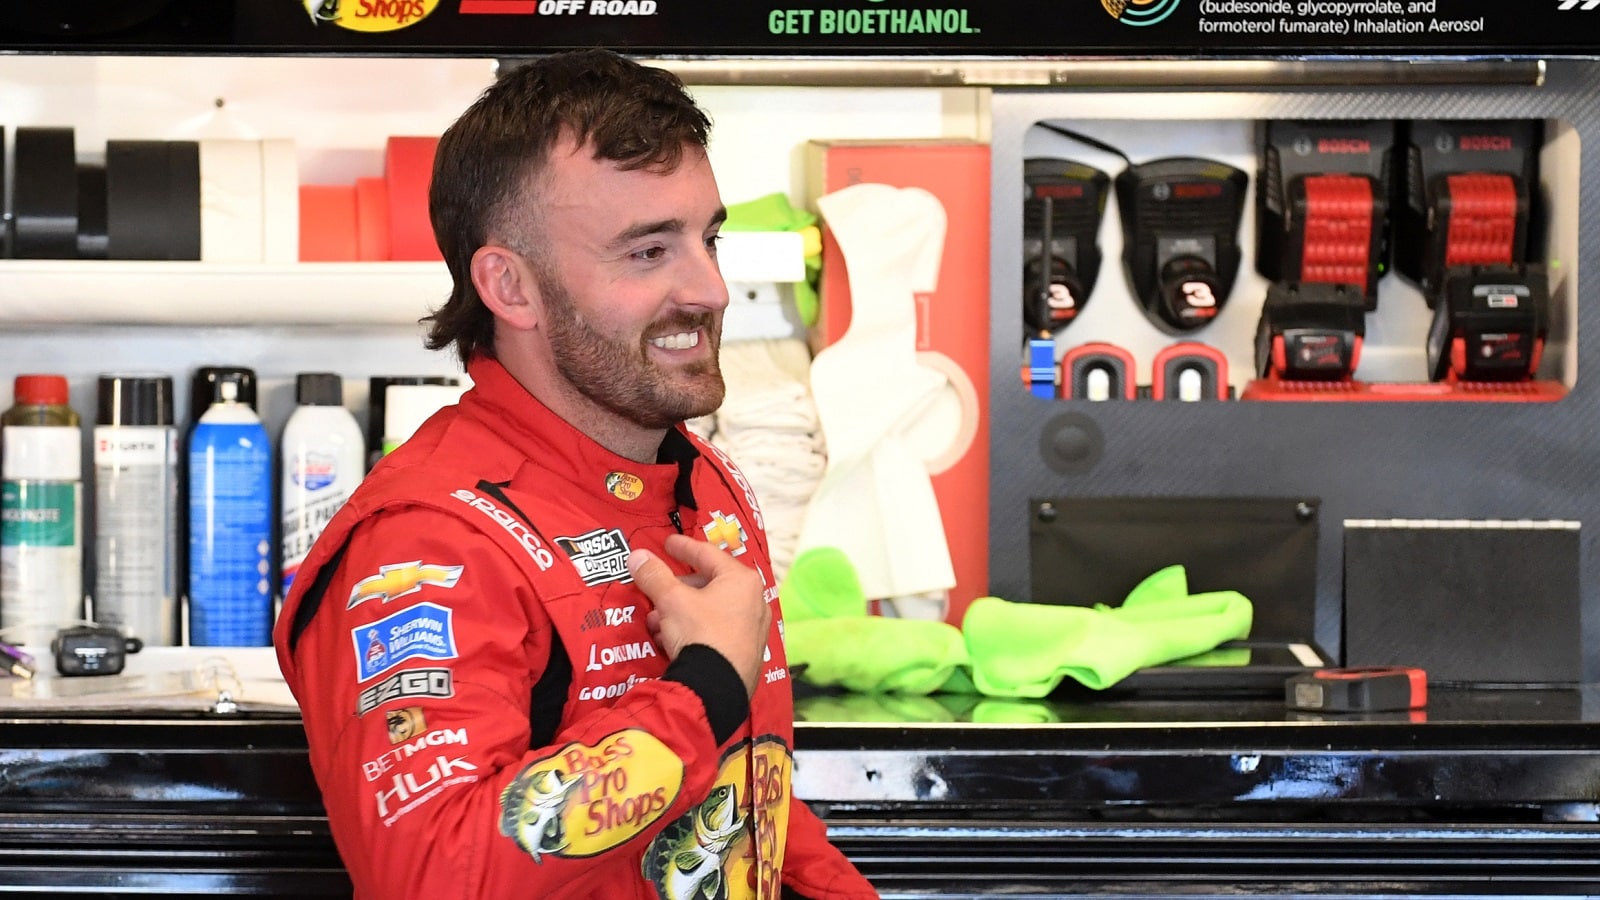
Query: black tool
(1180,223)
(1357,690)
(1465,198)
(1310,332)
(1062,207)
(1490,324)
(92,650)
(1322,201)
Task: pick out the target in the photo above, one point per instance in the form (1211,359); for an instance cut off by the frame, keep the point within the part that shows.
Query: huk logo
(370,15)
(1140,12)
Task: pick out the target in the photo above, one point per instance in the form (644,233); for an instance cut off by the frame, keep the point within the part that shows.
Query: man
(538,653)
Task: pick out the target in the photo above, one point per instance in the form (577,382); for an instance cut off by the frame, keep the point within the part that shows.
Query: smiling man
(595,702)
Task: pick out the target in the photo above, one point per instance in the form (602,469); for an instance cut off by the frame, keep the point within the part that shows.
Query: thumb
(650,573)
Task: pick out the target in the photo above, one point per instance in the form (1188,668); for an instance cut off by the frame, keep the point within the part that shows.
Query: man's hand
(718,604)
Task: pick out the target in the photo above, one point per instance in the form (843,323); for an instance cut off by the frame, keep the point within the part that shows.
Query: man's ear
(507,287)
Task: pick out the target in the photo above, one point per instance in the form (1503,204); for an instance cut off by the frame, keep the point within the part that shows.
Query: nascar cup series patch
(586,799)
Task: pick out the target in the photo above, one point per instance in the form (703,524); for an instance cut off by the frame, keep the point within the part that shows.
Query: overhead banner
(1035,28)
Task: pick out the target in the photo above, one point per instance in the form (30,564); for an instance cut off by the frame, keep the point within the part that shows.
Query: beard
(619,376)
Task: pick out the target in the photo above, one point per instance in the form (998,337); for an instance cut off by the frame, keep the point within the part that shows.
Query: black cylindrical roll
(44,199)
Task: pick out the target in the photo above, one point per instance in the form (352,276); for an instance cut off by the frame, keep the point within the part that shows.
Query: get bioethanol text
(869,21)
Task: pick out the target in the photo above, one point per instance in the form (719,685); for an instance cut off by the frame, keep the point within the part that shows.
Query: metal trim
(1175,74)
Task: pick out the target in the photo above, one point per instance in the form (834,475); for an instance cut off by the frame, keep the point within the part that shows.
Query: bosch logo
(1344,145)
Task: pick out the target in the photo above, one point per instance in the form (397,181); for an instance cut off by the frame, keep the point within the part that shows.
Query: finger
(700,556)
(651,574)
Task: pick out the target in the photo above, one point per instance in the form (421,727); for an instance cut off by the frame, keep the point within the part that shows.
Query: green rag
(1003,649)
(821,584)
(1026,649)
(774,213)
(870,654)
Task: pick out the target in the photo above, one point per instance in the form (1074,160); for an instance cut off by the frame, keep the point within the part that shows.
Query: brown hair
(637,116)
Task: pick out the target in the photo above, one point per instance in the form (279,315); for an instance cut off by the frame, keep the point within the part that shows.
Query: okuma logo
(1140,12)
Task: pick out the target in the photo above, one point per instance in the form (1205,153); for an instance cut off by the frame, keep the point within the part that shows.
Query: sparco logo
(537,551)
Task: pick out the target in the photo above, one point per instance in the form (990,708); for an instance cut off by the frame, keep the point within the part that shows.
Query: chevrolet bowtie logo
(400,579)
(725,533)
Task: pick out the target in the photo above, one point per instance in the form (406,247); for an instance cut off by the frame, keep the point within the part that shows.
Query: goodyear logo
(400,579)
(1140,12)
(586,799)
(726,533)
(370,15)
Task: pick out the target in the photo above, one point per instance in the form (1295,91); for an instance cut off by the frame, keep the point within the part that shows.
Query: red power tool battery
(1366,689)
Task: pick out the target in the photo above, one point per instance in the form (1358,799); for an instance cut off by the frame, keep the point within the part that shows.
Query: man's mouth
(682,340)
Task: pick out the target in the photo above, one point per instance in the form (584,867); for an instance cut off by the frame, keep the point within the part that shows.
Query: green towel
(870,654)
(821,584)
(774,213)
(1003,649)
(1026,649)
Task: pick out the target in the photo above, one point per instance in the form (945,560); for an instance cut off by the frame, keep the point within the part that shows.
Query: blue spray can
(230,522)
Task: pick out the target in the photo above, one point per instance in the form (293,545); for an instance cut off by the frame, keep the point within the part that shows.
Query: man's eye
(651,253)
(712,242)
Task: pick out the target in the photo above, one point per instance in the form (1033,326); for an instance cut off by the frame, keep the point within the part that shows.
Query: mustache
(681,321)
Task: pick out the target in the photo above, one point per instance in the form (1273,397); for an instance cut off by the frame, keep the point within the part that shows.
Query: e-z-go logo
(1140,12)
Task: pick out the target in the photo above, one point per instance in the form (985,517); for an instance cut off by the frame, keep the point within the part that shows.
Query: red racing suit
(487,713)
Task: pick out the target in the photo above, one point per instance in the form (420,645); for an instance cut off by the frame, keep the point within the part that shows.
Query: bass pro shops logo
(1140,12)
(370,15)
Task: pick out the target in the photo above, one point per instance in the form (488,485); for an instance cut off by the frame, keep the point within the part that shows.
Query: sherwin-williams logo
(423,631)
(370,15)
(1140,12)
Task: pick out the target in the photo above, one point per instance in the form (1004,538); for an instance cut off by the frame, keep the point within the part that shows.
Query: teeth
(683,340)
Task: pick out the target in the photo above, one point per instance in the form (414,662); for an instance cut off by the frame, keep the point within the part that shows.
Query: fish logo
(1139,12)
(531,809)
(390,15)
(624,486)
(400,579)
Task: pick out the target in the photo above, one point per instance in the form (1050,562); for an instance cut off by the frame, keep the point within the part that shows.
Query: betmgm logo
(1140,12)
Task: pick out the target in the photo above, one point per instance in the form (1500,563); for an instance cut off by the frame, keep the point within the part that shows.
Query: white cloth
(876,501)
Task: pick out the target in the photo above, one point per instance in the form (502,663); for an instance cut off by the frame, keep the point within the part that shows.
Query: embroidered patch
(624,486)
(600,556)
(586,799)
(400,579)
(726,533)
(422,631)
